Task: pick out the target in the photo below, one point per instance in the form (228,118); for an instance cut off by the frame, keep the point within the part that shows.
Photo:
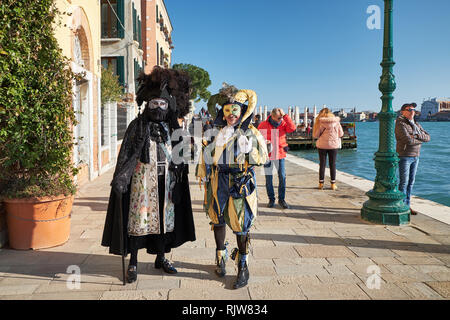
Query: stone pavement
(318,249)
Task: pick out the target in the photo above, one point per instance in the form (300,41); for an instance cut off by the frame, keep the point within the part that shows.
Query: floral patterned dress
(144,216)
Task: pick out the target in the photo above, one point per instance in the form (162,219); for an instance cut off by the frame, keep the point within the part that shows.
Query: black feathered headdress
(173,85)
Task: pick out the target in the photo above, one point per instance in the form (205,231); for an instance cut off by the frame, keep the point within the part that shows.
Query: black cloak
(119,199)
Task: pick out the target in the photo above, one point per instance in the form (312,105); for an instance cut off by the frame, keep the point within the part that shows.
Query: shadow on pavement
(93,203)
(18,264)
(350,243)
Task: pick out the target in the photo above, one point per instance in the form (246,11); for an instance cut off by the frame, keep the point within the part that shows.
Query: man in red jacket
(274,129)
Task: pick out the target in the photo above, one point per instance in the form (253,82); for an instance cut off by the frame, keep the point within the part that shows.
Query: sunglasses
(410,109)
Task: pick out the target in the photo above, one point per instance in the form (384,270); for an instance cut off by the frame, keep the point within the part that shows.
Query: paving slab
(319,251)
(278,292)
(370,252)
(135,295)
(419,291)
(18,289)
(158,284)
(338,270)
(440,276)
(442,288)
(303,269)
(274,252)
(209,294)
(339,291)
(420,261)
(386,291)
(297,261)
(339,278)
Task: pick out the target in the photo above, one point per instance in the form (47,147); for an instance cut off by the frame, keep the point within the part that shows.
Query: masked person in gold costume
(226,168)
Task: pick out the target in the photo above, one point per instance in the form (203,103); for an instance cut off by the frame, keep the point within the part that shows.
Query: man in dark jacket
(409,135)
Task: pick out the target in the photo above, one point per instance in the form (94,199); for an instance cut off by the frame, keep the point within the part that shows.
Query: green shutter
(121,70)
(140,33)
(121,15)
(134,22)
(137,68)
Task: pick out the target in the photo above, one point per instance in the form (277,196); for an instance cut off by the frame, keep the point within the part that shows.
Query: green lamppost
(385,204)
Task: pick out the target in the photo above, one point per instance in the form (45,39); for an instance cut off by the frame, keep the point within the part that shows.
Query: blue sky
(297,52)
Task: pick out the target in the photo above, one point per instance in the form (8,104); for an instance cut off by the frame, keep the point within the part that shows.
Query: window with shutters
(111,10)
(136,26)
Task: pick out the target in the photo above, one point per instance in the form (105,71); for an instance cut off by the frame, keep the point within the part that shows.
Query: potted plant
(36,122)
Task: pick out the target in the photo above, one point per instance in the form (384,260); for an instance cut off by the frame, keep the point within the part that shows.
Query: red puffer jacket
(277,136)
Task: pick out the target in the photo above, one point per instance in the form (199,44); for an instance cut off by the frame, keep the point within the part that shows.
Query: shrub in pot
(36,123)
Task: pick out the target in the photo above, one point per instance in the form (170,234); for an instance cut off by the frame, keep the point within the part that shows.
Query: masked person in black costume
(150,205)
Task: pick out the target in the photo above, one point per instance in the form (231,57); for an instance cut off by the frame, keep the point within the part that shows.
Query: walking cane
(122,240)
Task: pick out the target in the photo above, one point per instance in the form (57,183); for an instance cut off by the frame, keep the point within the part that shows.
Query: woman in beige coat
(328,130)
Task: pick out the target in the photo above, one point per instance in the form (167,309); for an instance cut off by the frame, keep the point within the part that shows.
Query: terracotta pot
(39,222)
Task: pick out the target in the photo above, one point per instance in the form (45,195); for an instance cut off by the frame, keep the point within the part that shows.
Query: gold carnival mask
(233,109)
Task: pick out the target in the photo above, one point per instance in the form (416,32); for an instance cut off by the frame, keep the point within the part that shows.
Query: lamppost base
(387,212)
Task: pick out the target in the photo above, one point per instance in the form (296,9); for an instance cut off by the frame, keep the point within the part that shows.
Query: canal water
(433,175)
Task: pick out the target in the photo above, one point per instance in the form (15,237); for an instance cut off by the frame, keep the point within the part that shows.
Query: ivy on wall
(36,111)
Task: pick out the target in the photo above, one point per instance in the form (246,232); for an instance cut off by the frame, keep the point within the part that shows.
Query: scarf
(274,123)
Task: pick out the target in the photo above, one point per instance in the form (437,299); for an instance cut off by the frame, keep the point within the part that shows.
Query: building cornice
(167,12)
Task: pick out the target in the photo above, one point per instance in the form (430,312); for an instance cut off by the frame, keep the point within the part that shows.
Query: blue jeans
(407,169)
(268,169)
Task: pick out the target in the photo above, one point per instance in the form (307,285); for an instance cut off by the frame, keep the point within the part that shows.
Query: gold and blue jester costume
(226,168)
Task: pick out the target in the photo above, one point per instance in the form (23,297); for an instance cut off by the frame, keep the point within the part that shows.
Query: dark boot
(283,204)
(162,262)
(243,274)
(221,258)
(132,273)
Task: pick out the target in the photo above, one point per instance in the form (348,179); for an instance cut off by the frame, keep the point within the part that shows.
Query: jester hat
(231,95)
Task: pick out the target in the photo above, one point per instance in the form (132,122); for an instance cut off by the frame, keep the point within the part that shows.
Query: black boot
(243,274)
(221,258)
(162,262)
(283,204)
(132,273)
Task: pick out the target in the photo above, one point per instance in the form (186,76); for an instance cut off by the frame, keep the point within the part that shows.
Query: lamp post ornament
(385,204)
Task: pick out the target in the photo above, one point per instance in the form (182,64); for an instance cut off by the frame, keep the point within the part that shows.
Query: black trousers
(332,155)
